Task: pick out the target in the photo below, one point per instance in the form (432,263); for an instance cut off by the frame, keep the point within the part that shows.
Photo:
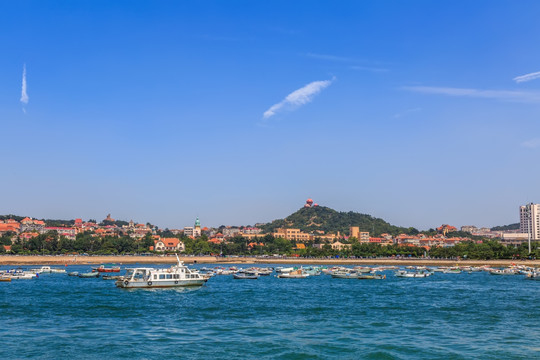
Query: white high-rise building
(529,220)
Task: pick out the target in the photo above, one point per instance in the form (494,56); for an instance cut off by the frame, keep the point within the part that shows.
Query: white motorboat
(295,274)
(406,274)
(48,270)
(176,276)
(19,274)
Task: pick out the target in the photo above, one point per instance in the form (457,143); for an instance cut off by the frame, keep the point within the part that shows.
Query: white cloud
(531,144)
(24,95)
(519,96)
(527,77)
(298,97)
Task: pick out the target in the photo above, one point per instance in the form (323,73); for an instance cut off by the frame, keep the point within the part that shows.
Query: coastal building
(9,225)
(197,230)
(169,244)
(193,231)
(230,231)
(445,229)
(292,234)
(340,246)
(31,225)
(363,236)
(529,220)
(189,231)
(250,230)
(67,232)
(469,228)
(354,231)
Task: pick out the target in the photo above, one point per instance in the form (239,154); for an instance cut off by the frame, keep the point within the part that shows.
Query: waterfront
(445,316)
(171,259)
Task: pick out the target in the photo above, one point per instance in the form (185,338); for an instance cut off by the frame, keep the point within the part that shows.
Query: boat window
(176,276)
(169,276)
(161,276)
(139,274)
(155,276)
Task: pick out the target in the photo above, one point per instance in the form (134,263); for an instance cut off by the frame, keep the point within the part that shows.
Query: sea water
(445,316)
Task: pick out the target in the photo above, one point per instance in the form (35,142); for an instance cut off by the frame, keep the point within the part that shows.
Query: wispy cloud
(24,95)
(531,144)
(298,97)
(527,77)
(507,95)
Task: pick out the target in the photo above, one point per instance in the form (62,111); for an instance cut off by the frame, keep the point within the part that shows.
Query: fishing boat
(112,277)
(175,276)
(48,270)
(20,274)
(533,276)
(73,273)
(5,279)
(107,268)
(89,275)
(371,277)
(406,274)
(452,271)
(295,274)
(345,275)
(362,269)
(245,276)
(502,272)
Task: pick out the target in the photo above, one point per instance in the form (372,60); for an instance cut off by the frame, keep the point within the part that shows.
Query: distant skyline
(420,113)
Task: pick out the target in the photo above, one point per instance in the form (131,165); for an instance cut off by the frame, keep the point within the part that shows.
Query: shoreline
(66,260)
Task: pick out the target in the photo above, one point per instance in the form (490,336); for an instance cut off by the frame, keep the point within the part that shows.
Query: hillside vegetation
(331,221)
(506,227)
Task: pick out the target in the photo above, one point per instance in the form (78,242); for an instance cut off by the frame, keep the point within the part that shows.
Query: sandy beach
(81,260)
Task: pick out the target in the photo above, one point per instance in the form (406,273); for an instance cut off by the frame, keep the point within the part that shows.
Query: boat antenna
(177,258)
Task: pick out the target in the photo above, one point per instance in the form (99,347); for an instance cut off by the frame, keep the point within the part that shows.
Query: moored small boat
(245,276)
(406,274)
(112,277)
(107,268)
(89,275)
(295,274)
(372,277)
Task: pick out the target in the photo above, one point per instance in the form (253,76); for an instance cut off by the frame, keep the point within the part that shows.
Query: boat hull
(159,284)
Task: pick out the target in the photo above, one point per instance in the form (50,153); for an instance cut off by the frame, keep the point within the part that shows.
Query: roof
(169,242)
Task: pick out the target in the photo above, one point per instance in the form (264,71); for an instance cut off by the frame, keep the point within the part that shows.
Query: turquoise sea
(445,316)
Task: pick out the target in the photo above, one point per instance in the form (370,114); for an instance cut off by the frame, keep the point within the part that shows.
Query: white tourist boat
(175,276)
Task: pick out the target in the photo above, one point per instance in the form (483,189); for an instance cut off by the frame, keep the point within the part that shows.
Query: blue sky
(155,110)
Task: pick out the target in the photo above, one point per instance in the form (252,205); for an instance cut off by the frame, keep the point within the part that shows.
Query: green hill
(332,221)
(506,227)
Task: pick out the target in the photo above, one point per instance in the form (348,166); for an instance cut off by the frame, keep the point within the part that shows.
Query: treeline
(51,243)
